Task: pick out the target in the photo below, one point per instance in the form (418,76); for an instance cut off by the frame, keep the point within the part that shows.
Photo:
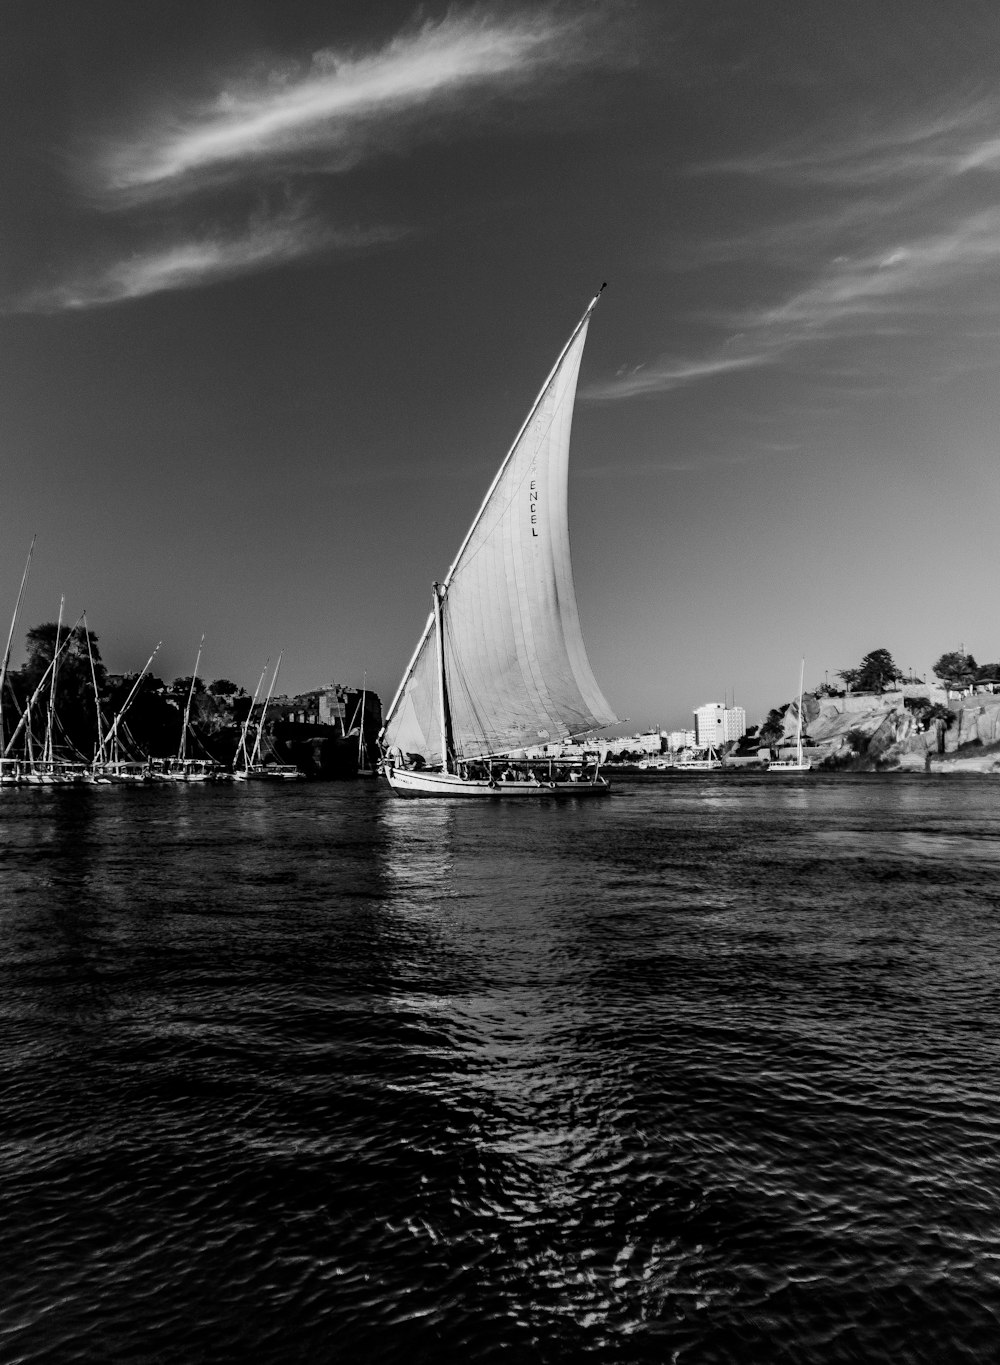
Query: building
(680,739)
(735,723)
(716,724)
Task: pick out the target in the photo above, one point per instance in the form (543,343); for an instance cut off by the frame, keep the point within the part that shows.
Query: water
(705,1072)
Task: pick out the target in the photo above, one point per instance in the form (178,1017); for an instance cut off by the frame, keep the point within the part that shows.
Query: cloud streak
(284,123)
(941,145)
(898,254)
(344,107)
(893,291)
(667,374)
(205,259)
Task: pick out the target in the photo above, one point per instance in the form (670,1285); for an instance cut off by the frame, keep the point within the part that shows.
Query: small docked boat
(699,761)
(798,764)
(271,772)
(247,766)
(501,665)
(182,768)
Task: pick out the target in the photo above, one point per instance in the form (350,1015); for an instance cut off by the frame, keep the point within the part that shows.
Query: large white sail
(516,670)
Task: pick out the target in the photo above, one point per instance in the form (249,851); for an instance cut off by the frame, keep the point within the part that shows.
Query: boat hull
(407,782)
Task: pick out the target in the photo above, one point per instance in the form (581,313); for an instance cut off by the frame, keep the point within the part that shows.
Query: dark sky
(279,282)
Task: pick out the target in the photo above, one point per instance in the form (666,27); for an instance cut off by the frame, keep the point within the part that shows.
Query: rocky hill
(917,728)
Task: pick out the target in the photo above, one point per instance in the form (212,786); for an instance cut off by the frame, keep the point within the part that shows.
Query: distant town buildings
(716,724)
(336,705)
(680,739)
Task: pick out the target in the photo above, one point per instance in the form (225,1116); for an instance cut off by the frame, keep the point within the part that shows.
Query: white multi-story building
(735,722)
(717,724)
(709,724)
(680,739)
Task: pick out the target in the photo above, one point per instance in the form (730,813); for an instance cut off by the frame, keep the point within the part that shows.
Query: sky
(279,282)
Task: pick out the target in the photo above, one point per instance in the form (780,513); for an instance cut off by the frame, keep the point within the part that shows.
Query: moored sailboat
(705,760)
(182,768)
(109,763)
(250,767)
(501,665)
(10,768)
(798,764)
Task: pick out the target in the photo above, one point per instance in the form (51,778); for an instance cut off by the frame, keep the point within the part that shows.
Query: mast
(442,685)
(361,723)
(241,748)
(93,679)
(798,742)
(10,633)
(187,710)
(485,503)
(47,751)
(111,738)
(263,714)
(26,713)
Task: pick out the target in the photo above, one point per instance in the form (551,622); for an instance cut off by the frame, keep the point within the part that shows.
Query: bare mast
(182,748)
(10,634)
(361,724)
(47,749)
(93,679)
(26,714)
(263,714)
(111,738)
(241,748)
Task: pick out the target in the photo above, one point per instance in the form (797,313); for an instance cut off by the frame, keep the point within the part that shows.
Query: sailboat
(182,768)
(252,768)
(798,764)
(699,760)
(501,665)
(364,766)
(10,768)
(108,761)
(26,770)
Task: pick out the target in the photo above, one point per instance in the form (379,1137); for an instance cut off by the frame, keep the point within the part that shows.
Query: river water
(705,1072)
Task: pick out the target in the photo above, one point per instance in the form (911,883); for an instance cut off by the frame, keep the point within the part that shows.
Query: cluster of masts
(26,761)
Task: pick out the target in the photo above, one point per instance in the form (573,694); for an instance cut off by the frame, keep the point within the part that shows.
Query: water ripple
(704,1074)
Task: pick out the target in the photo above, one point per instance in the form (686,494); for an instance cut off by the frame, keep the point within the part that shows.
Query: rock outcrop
(893,730)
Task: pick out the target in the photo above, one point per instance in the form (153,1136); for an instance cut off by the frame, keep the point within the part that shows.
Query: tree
(152,722)
(878,670)
(850,677)
(956,669)
(858,739)
(75,705)
(182,686)
(222,687)
(773,728)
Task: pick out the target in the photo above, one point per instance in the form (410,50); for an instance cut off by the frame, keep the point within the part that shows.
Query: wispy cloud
(891,292)
(666,374)
(201,260)
(898,252)
(280,123)
(896,280)
(917,150)
(343,107)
